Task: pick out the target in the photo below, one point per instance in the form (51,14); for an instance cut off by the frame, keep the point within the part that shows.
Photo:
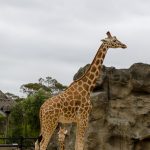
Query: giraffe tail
(37,143)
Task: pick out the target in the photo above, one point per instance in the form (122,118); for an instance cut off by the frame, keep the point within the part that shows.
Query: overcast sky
(40,38)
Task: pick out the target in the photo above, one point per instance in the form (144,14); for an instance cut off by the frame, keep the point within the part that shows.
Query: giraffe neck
(93,73)
(61,145)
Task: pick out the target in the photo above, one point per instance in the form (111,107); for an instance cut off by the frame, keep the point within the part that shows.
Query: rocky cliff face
(6,103)
(5,106)
(120,119)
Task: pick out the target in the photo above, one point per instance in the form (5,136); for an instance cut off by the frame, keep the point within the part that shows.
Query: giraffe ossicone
(73,104)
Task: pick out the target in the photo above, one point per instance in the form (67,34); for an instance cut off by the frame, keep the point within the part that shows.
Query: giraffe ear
(59,130)
(66,131)
(103,40)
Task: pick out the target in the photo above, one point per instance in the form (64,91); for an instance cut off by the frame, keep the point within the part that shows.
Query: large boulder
(120,118)
(140,77)
(6,103)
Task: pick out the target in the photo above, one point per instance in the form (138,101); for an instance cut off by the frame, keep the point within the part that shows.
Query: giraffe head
(113,42)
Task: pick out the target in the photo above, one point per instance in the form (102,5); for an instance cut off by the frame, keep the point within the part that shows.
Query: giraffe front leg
(46,136)
(44,142)
(80,133)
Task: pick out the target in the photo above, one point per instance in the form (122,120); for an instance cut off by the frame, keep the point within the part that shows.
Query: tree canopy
(24,117)
(49,84)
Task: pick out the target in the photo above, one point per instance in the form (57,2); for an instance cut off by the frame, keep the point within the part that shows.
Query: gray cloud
(40,38)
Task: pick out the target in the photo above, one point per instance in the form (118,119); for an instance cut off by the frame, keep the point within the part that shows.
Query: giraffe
(61,138)
(73,104)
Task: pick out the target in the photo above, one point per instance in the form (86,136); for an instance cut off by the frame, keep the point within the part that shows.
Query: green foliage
(24,117)
(16,120)
(2,118)
(31,109)
(31,88)
(49,84)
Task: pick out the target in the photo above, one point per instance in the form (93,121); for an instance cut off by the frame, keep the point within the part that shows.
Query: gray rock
(140,77)
(120,118)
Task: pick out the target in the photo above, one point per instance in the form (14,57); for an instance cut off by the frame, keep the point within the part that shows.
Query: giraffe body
(69,109)
(73,104)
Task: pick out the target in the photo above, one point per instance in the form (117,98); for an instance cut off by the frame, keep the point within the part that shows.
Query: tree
(24,118)
(16,120)
(54,85)
(25,115)
(12,96)
(31,88)
(49,84)
(32,105)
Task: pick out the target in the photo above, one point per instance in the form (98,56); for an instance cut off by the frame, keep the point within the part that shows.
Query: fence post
(18,142)
(21,142)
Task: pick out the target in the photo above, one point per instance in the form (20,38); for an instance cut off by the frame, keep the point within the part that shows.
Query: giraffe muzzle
(124,46)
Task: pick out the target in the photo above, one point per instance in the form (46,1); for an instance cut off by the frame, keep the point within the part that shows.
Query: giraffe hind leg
(81,129)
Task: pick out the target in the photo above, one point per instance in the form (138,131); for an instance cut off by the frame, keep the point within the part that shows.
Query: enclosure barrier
(22,142)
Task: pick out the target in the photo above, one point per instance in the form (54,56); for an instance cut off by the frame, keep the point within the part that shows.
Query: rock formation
(5,107)
(120,119)
(6,103)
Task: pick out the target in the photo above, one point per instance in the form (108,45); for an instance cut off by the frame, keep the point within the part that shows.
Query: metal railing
(22,142)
